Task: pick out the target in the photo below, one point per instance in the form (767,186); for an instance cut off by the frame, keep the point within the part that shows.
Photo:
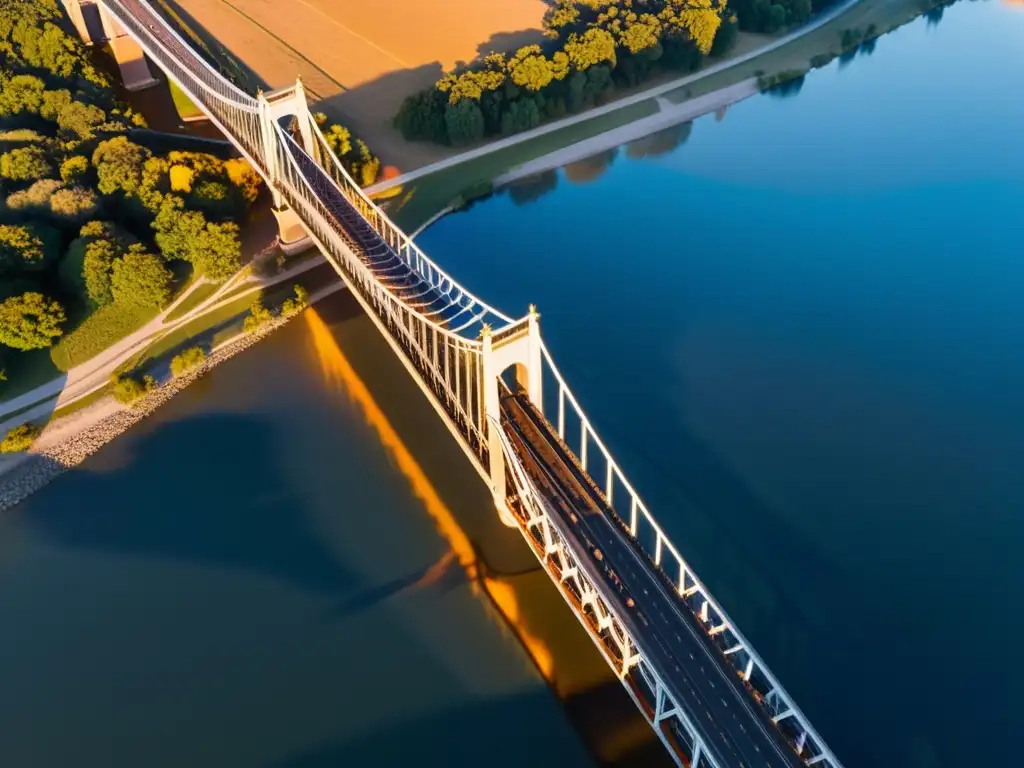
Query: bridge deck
(733,725)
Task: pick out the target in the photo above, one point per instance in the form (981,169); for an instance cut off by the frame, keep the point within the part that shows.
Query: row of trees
(595,46)
(773,15)
(90,219)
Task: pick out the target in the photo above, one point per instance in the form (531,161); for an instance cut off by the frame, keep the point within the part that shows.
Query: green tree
(245,179)
(74,204)
(777,18)
(531,70)
(215,199)
(80,119)
(800,11)
(27,247)
(119,164)
(74,168)
(218,252)
(35,199)
(25,164)
(30,321)
(726,36)
(20,93)
(592,47)
(421,117)
(521,116)
(339,139)
(139,278)
(177,230)
(20,438)
(464,123)
(86,267)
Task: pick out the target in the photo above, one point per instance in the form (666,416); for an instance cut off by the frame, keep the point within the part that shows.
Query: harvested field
(359,58)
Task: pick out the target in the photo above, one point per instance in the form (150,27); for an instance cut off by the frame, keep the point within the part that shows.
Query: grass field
(216,326)
(361,59)
(187,110)
(193,300)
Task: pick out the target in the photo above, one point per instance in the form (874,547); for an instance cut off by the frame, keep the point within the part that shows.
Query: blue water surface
(802,333)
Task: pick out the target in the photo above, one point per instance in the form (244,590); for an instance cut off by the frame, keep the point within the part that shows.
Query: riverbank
(414,198)
(68,441)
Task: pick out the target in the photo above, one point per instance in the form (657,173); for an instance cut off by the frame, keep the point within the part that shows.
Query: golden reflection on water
(338,372)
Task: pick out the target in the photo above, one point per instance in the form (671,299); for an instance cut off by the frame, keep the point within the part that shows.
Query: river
(798,327)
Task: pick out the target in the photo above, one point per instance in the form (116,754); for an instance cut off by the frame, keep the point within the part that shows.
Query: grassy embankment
(187,110)
(416,202)
(225,322)
(212,51)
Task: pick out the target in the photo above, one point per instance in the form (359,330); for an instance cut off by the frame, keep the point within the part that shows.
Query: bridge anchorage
(708,695)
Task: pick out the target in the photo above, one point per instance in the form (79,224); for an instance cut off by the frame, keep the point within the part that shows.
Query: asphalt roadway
(733,726)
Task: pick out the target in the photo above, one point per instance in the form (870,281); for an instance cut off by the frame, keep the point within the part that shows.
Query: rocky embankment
(37,468)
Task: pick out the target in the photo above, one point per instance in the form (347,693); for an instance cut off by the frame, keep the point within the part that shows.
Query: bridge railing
(449,364)
(578,582)
(401,243)
(593,456)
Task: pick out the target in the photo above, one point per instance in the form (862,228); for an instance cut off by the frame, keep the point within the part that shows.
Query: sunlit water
(801,331)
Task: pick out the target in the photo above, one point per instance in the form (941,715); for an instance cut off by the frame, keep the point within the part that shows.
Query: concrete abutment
(95,24)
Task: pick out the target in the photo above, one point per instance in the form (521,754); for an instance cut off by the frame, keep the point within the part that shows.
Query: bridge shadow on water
(203,504)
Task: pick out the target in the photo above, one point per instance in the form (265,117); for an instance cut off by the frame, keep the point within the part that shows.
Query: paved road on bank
(734,727)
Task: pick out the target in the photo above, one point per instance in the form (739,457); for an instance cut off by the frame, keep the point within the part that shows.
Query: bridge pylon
(286,102)
(94,24)
(516,347)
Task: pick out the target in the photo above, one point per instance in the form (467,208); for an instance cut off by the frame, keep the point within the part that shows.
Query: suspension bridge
(709,697)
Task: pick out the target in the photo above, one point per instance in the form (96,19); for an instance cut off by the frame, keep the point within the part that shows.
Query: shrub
(294,306)
(258,315)
(107,325)
(130,388)
(20,438)
(187,360)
